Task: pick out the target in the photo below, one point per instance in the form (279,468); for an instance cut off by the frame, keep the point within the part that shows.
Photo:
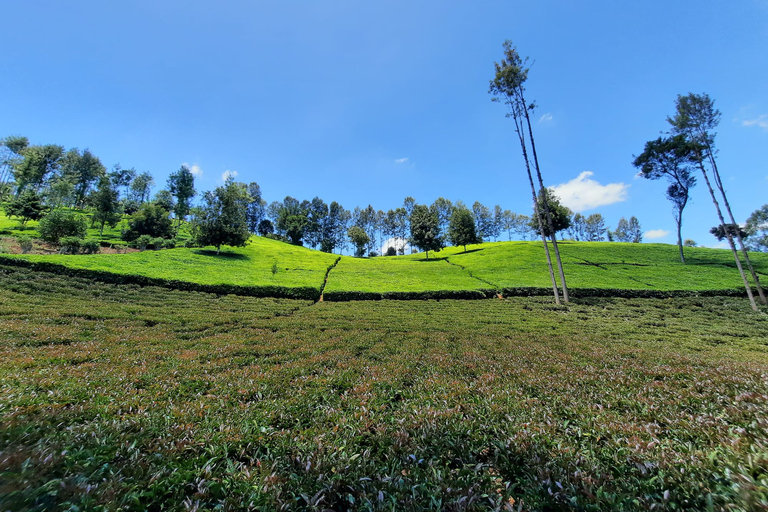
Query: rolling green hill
(483,270)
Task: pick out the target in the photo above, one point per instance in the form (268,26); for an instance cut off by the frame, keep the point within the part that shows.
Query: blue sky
(369,102)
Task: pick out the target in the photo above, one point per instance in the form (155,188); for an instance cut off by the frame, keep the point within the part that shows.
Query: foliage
(689,243)
(90,246)
(141,186)
(265,227)
(150,219)
(230,402)
(256,208)
(722,231)
(425,229)
(757,228)
(222,219)
(181,185)
(37,164)
(627,231)
(359,239)
(26,206)
(25,243)
(461,230)
(674,158)
(82,169)
(561,215)
(105,203)
(70,244)
(62,223)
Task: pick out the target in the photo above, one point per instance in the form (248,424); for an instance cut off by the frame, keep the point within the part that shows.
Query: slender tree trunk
(720,187)
(537,210)
(680,240)
(546,206)
(730,238)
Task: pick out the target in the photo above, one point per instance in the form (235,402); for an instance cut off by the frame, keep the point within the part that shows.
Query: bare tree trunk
(537,210)
(546,206)
(680,240)
(730,238)
(720,187)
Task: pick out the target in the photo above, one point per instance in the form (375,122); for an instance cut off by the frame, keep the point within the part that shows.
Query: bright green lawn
(399,274)
(605,265)
(248,266)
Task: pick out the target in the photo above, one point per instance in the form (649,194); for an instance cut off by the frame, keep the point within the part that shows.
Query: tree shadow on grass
(223,255)
(468,251)
(430,260)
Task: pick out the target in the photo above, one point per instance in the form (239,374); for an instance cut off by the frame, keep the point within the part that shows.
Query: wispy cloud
(583,193)
(760,121)
(228,174)
(545,118)
(195,169)
(400,161)
(653,234)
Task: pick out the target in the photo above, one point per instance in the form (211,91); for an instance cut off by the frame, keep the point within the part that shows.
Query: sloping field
(248,267)
(144,398)
(482,271)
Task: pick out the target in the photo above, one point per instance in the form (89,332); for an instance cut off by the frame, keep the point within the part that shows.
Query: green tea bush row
(303,292)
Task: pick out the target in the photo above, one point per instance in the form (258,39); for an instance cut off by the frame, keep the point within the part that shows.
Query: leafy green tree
(425,229)
(724,230)
(36,165)
(164,199)
(141,187)
(256,208)
(690,243)
(444,209)
(83,169)
(293,219)
(60,224)
(627,231)
(461,230)
(105,202)
(265,227)
(483,220)
(122,179)
(181,185)
(150,219)
(757,228)
(673,158)
(594,228)
(27,206)
(560,214)
(359,239)
(10,153)
(223,219)
(334,227)
(508,86)
(696,118)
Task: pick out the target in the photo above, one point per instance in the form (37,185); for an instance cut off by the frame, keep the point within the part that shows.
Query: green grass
(491,266)
(247,266)
(399,274)
(130,398)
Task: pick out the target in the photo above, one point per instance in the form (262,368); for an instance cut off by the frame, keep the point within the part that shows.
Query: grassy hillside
(483,270)
(121,397)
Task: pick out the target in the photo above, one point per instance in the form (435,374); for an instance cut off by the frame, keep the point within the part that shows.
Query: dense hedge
(309,293)
(283,292)
(341,296)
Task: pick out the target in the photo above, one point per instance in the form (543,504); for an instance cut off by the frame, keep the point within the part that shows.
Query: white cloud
(582,193)
(228,174)
(653,234)
(760,121)
(399,161)
(545,118)
(195,169)
(400,245)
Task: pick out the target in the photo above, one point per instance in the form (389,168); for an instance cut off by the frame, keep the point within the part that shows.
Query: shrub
(70,245)
(151,220)
(391,251)
(158,243)
(91,246)
(169,244)
(142,242)
(60,224)
(25,242)
(279,238)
